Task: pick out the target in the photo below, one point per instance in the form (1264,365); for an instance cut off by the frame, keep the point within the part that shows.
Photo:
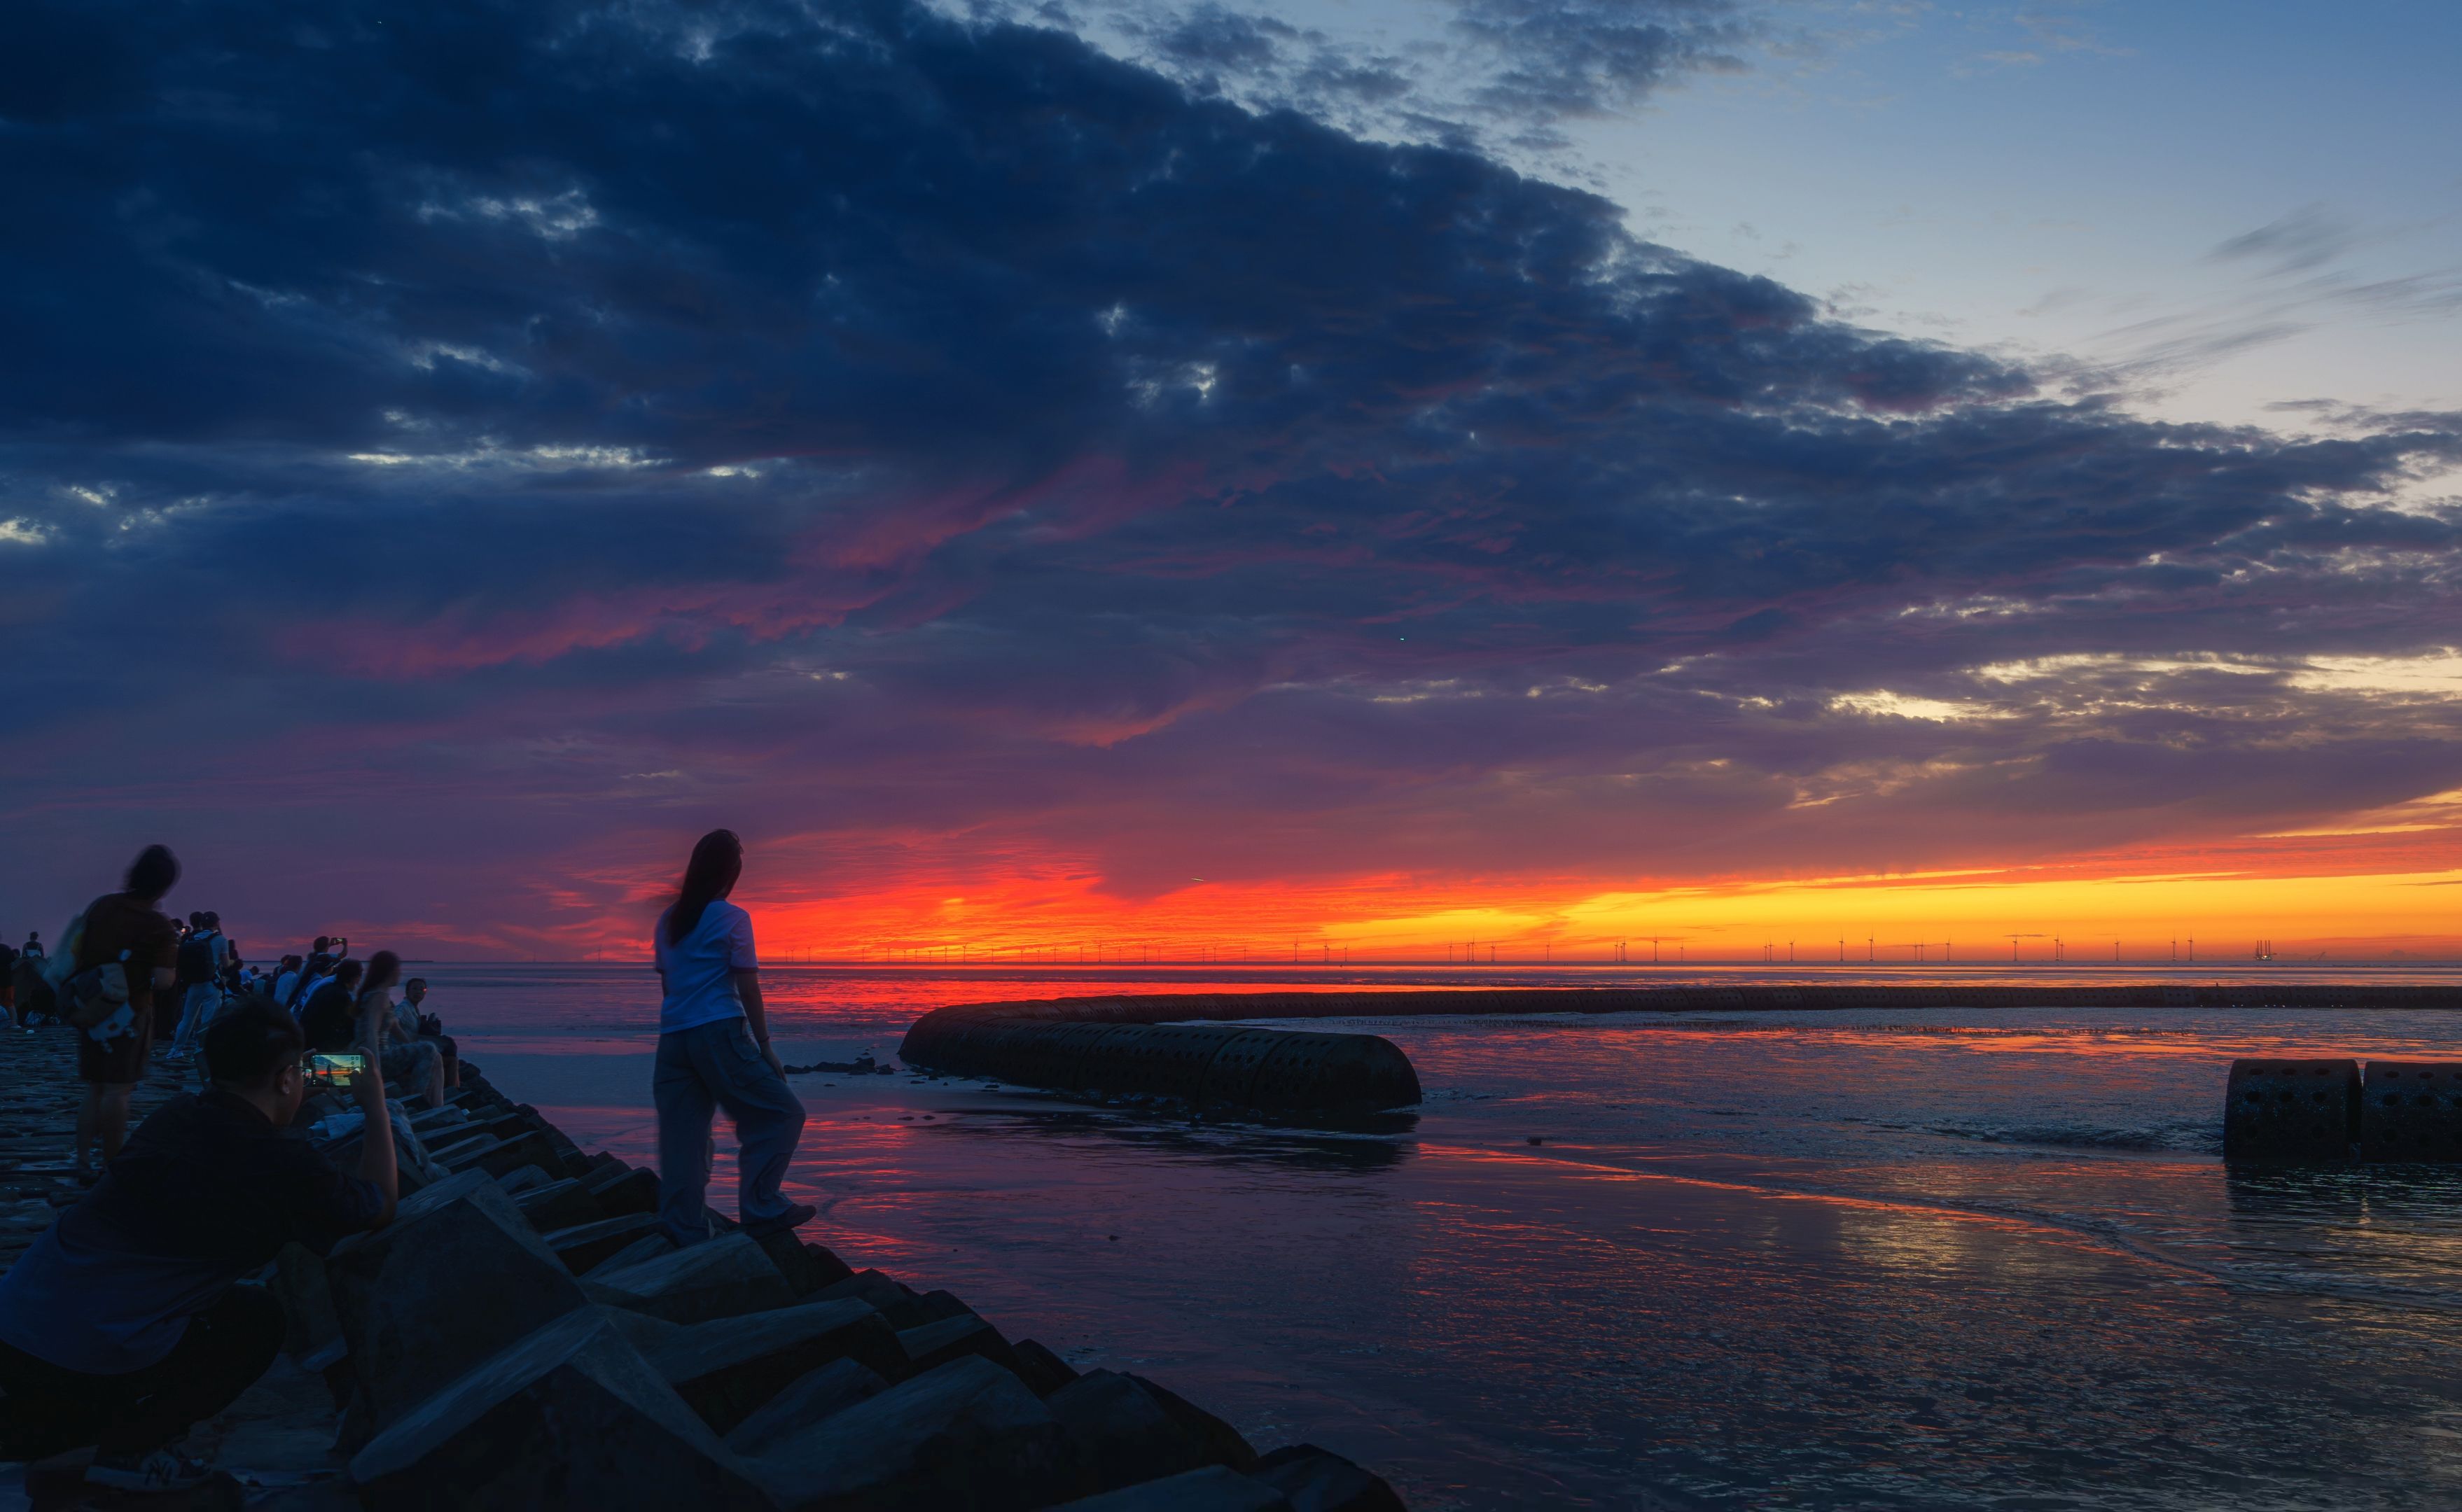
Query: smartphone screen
(339,1070)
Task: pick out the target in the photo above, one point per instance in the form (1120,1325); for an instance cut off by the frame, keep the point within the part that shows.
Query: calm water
(1897,1258)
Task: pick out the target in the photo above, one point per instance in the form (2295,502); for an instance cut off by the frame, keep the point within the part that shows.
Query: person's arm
(747,990)
(377,1162)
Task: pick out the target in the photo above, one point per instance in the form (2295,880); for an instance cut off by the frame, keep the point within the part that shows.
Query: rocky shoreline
(524,1335)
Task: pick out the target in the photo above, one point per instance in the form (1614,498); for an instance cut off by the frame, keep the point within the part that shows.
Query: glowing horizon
(1044,491)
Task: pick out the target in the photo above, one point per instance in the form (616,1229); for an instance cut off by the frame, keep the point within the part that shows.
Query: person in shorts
(127,926)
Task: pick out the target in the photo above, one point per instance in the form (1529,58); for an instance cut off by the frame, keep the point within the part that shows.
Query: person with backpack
(199,979)
(714,1052)
(125,935)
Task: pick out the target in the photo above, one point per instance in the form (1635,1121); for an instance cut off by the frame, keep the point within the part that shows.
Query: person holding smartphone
(714,1052)
(122,1328)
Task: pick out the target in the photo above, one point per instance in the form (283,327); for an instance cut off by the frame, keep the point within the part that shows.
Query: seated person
(411,1063)
(121,1328)
(328,1017)
(412,1012)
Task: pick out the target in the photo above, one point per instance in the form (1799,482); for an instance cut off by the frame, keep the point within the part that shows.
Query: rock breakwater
(525,1335)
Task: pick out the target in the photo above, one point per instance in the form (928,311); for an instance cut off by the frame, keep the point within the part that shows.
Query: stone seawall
(1166,1008)
(524,1335)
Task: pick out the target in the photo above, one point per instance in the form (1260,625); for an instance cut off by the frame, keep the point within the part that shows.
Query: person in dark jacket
(124,1326)
(330,1016)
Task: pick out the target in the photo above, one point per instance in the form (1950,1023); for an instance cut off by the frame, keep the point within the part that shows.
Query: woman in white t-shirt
(714,1052)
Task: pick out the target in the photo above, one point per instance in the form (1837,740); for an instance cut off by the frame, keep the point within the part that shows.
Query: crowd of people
(176,979)
(126,1323)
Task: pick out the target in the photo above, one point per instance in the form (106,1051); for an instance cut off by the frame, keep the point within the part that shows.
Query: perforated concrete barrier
(1279,1070)
(2411,1109)
(2298,1110)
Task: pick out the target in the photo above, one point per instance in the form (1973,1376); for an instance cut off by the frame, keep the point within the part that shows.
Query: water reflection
(1220,1144)
(1808,1260)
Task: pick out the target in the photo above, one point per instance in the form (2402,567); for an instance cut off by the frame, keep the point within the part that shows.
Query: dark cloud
(462,433)
(1558,58)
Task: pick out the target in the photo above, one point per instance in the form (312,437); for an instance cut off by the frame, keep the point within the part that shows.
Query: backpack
(94,995)
(196,960)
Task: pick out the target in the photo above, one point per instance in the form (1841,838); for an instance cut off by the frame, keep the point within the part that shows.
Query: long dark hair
(384,969)
(717,861)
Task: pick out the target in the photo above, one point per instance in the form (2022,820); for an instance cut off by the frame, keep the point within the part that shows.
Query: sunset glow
(1097,492)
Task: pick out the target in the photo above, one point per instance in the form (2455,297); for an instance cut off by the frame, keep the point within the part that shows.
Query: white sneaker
(158,1470)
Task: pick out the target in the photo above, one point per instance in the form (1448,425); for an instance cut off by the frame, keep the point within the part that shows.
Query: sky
(1209,480)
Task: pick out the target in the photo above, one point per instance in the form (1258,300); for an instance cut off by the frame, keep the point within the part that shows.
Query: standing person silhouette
(714,1052)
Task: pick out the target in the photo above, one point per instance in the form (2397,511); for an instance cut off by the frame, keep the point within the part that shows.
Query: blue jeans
(701,1069)
(201,1007)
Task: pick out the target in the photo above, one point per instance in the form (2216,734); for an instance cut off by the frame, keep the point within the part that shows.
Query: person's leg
(450,1054)
(50,1411)
(768,1123)
(192,1008)
(88,1120)
(223,1351)
(684,1105)
(111,1121)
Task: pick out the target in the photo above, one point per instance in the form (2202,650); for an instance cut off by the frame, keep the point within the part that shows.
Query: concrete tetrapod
(966,1438)
(457,1276)
(728,1368)
(718,1279)
(569,1418)
(1212,1489)
(834,1388)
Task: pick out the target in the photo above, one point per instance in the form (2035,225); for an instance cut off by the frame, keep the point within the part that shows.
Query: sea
(1939,1258)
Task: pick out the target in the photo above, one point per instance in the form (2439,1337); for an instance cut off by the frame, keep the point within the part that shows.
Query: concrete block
(1315,1479)
(901,1307)
(1223,1443)
(1122,1431)
(807,1267)
(649,1246)
(719,1279)
(625,1191)
(525,1178)
(966,1438)
(728,1368)
(933,1345)
(1042,1371)
(312,1328)
(585,1246)
(455,1278)
(1212,1489)
(834,1388)
(501,1157)
(570,1416)
(558,1204)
